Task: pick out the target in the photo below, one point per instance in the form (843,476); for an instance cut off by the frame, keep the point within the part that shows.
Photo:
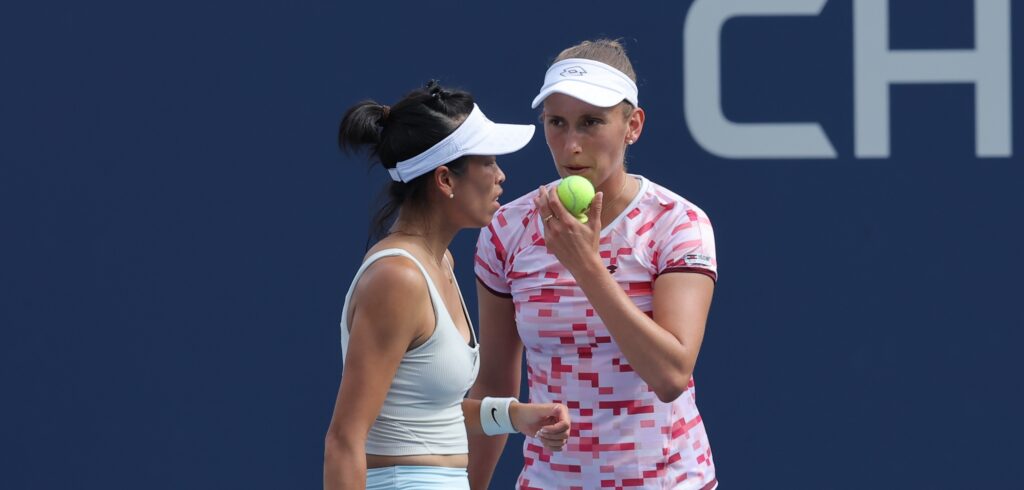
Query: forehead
(567,105)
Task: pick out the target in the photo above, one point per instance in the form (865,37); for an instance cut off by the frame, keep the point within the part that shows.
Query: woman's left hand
(547,422)
(575,244)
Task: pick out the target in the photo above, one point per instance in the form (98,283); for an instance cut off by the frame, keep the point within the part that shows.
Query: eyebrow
(595,115)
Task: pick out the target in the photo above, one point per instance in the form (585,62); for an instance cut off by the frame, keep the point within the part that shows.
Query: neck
(618,190)
(431,233)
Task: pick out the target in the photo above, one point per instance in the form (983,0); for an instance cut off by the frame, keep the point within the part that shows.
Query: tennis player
(611,313)
(410,353)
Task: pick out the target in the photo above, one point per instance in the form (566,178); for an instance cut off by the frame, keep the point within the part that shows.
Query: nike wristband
(494,416)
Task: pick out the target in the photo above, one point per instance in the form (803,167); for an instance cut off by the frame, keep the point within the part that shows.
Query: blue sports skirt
(416,478)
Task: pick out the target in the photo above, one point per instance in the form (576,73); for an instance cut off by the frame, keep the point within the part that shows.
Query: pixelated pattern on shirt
(622,435)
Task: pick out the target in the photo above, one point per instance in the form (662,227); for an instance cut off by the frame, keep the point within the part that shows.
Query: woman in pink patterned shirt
(611,313)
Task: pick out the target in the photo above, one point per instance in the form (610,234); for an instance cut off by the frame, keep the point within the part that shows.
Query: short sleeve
(490,260)
(687,245)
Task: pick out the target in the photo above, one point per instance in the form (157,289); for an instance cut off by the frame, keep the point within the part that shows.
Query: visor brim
(503,139)
(589,93)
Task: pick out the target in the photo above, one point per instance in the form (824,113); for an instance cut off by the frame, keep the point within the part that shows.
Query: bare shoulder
(392,298)
(391,281)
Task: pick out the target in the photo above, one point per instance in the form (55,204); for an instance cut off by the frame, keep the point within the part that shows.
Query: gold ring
(548,217)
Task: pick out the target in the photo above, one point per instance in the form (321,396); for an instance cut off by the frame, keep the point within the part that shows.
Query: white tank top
(422,413)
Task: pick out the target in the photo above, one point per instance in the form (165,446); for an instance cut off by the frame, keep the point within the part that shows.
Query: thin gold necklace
(440,264)
(621,190)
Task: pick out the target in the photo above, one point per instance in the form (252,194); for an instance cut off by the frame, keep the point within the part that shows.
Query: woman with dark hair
(611,312)
(408,346)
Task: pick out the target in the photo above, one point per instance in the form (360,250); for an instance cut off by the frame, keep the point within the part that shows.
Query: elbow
(668,395)
(335,447)
(332,446)
(344,466)
(670,389)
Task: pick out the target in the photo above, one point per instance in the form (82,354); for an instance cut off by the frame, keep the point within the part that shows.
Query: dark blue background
(179,230)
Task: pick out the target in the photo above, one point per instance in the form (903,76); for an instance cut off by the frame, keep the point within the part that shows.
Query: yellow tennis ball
(576,192)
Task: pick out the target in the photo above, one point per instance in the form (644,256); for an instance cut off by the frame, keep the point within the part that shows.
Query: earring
(629,141)
(451,196)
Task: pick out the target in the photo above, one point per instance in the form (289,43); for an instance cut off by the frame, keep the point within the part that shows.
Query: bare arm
(501,353)
(663,349)
(381,332)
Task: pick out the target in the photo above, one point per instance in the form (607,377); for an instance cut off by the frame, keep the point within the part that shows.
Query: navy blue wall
(178,232)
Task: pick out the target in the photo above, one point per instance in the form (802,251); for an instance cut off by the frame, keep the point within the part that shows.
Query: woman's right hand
(549,423)
(575,244)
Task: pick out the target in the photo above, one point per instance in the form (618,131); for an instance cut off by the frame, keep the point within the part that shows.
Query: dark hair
(420,120)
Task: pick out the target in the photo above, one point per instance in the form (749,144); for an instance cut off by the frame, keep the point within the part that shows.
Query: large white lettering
(702,95)
(876,68)
(987,66)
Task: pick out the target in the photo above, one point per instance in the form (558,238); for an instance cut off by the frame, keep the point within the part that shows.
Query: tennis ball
(576,192)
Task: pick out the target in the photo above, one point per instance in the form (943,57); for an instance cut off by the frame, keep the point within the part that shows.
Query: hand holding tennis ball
(576,192)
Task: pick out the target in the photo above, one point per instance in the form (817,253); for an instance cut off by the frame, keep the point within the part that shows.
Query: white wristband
(494,416)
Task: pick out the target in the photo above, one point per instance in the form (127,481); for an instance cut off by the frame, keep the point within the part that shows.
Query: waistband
(417,478)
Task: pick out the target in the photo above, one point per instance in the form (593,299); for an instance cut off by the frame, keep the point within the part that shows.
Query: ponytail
(392,134)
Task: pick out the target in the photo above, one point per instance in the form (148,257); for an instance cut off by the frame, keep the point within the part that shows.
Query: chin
(486,220)
(488,216)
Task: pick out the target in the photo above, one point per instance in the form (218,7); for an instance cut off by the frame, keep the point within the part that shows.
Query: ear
(635,124)
(444,180)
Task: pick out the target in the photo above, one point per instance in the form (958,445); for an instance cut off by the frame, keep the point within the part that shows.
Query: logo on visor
(574,71)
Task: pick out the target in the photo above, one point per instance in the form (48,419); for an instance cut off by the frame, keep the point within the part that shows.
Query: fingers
(594,214)
(555,435)
(556,419)
(559,414)
(543,204)
(550,207)
(557,428)
(555,205)
(553,440)
(553,444)
(541,201)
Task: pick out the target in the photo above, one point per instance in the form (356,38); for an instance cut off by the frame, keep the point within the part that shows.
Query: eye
(555,121)
(592,121)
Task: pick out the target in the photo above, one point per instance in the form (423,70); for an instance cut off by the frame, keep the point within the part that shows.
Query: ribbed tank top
(422,413)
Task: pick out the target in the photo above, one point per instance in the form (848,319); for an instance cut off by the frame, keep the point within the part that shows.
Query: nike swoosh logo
(494,410)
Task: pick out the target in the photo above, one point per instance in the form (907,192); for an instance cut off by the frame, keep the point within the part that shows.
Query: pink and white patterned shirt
(622,436)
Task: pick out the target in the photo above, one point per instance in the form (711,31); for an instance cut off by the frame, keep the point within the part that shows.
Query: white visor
(477,135)
(591,81)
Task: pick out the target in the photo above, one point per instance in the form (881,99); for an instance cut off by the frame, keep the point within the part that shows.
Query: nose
(572,144)
(501,175)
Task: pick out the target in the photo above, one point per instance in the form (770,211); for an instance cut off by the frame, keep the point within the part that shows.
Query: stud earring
(629,141)
(451,195)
